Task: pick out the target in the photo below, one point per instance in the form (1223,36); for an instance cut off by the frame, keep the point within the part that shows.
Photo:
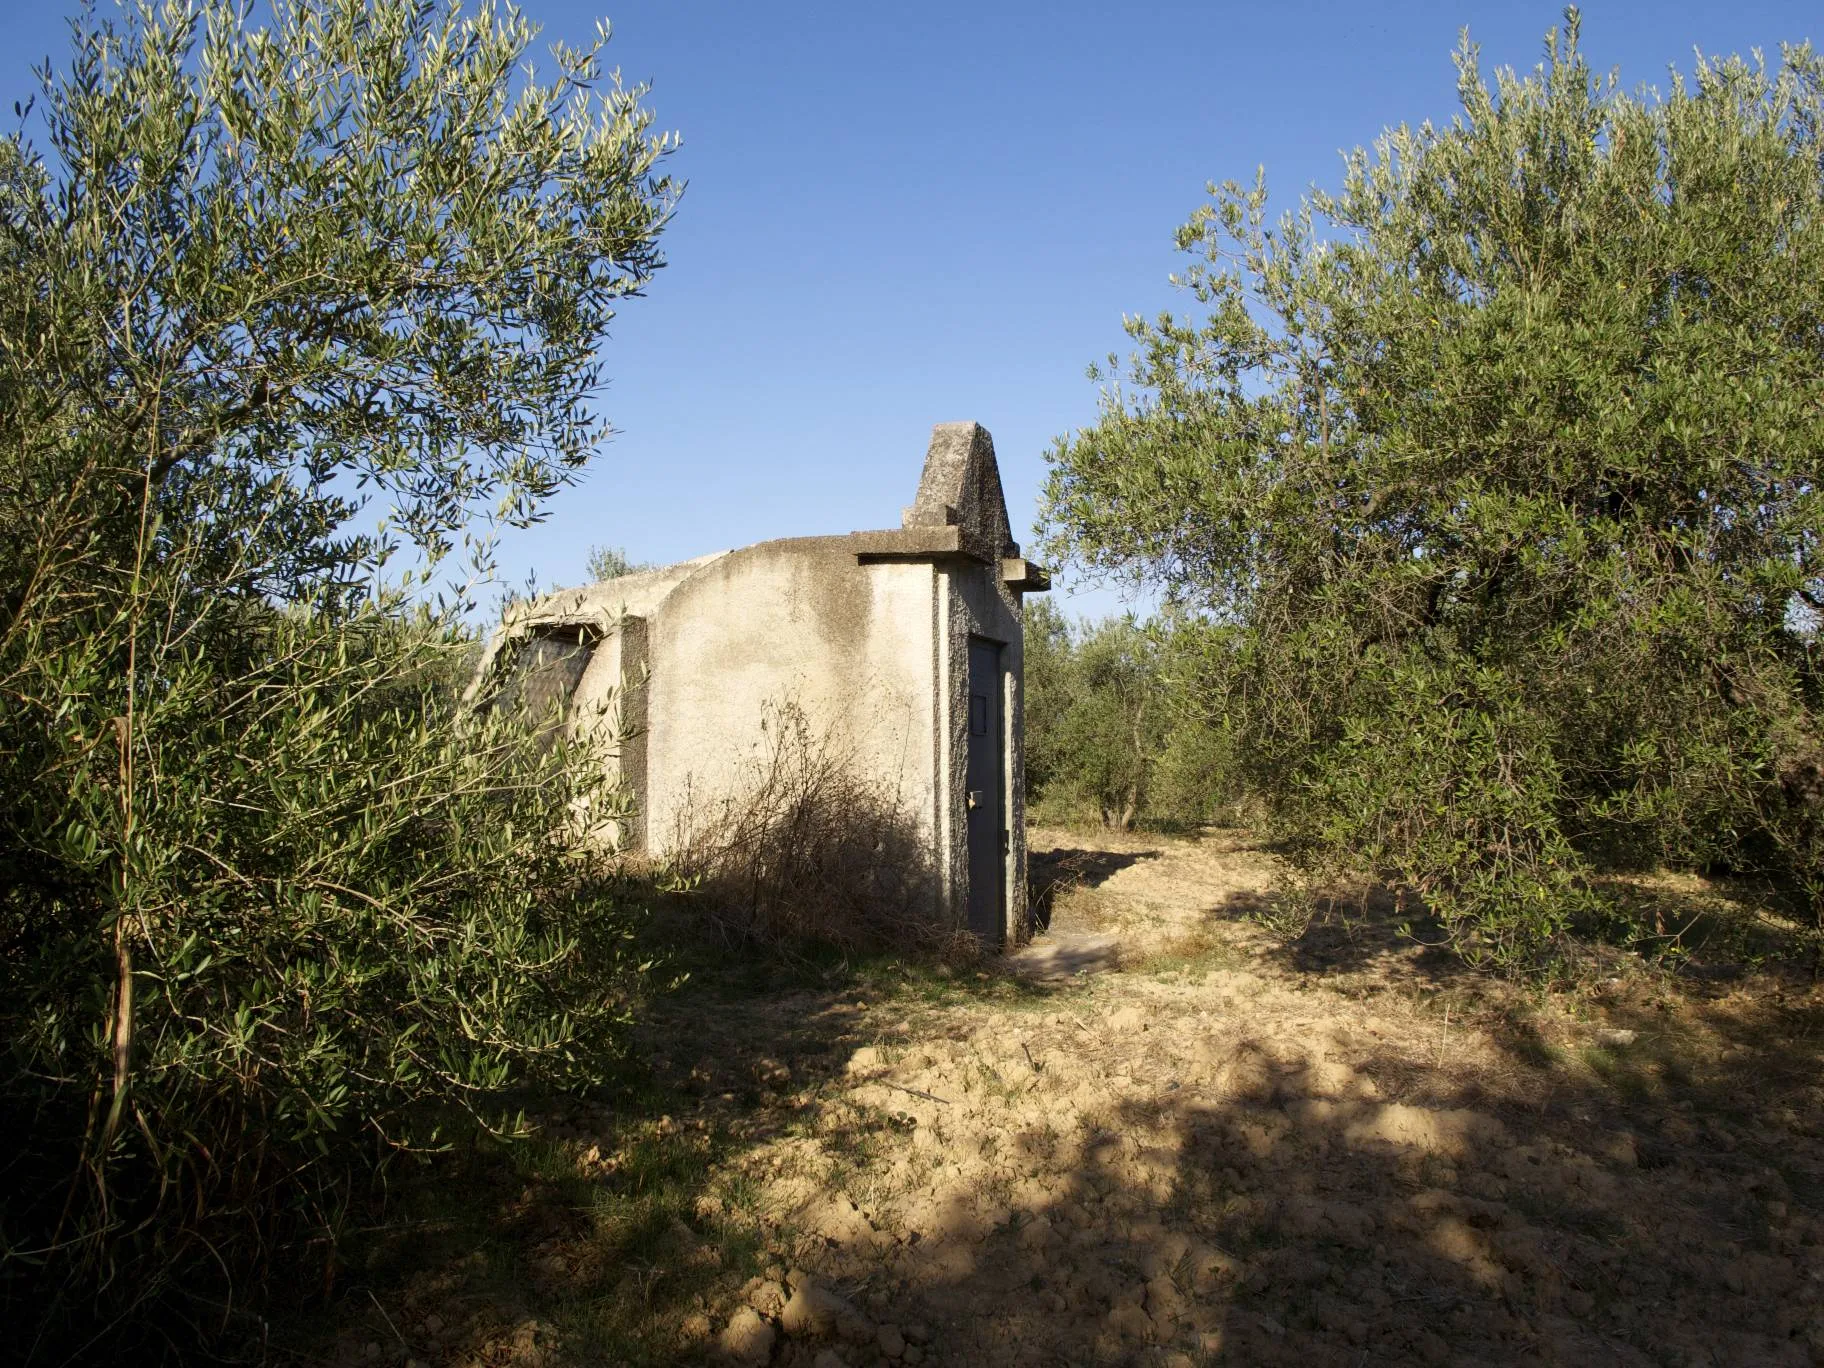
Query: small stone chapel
(902,646)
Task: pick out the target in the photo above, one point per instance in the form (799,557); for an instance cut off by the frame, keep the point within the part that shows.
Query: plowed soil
(1198,1143)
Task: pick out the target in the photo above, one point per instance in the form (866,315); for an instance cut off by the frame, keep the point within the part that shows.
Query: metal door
(986,800)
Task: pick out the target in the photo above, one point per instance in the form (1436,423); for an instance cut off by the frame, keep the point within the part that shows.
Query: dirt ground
(1167,1135)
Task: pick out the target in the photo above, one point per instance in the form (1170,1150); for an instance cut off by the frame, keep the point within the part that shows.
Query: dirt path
(1217,1148)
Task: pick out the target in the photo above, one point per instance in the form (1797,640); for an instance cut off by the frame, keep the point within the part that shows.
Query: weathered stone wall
(797,624)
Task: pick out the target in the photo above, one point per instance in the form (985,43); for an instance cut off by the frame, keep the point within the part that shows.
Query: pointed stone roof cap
(961,488)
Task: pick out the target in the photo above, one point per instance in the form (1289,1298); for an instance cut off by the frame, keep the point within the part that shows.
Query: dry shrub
(806,850)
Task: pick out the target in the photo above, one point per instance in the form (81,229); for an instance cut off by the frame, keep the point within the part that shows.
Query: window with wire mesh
(544,671)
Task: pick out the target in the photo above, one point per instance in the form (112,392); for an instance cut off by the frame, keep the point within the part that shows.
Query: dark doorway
(986,799)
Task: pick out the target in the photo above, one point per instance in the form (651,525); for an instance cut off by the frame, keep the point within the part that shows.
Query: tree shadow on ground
(1256,1163)
(1347,932)
(609,1234)
(1705,930)
(1275,1199)
(1055,871)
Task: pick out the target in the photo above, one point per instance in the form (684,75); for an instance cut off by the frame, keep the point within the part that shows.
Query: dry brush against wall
(804,850)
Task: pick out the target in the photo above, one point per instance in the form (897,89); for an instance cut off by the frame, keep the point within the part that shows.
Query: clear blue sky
(904,214)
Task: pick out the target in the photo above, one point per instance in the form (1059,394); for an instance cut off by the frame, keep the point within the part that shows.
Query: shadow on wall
(806,851)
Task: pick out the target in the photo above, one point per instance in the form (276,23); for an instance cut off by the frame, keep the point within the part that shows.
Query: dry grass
(806,851)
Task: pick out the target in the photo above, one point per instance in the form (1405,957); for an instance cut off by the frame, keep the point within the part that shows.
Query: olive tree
(277,300)
(1495,473)
(611,563)
(1113,729)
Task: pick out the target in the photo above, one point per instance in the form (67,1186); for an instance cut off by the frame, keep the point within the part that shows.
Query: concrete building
(897,650)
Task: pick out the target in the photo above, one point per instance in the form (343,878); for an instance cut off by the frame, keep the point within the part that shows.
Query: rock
(433,1324)
(829,1358)
(525,1342)
(1127,1019)
(1452,1132)
(813,1309)
(1212,1270)
(1761,1275)
(1617,1038)
(1267,1325)
(913,1354)
(892,1343)
(1619,1148)
(748,1338)
(1130,1321)
(1341,1319)
(764,1295)
(1248,1077)
(917,1332)
(1163,1301)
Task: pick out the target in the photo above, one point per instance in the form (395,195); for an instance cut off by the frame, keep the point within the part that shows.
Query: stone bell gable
(961,487)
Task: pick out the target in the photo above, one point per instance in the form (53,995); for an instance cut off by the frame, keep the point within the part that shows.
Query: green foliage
(271,905)
(610,562)
(1498,471)
(1193,779)
(1105,727)
(1114,725)
(1048,685)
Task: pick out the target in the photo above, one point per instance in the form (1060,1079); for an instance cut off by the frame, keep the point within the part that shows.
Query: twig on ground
(388,1319)
(916,1092)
